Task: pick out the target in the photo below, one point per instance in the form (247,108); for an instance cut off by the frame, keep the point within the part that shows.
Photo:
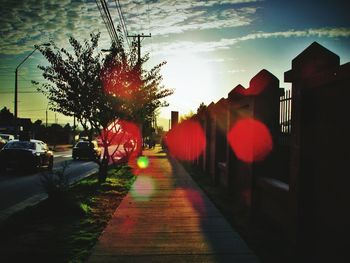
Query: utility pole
(139,37)
(16,84)
(74,129)
(16,93)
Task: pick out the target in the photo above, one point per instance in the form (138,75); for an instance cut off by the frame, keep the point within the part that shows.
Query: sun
(191,77)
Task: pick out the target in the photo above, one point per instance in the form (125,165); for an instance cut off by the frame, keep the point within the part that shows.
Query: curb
(35,199)
(31,201)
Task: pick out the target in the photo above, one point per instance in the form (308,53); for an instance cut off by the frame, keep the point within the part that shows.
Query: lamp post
(16,83)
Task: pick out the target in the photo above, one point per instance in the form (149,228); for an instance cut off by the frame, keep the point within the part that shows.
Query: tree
(103,93)
(6,117)
(186,116)
(201,107)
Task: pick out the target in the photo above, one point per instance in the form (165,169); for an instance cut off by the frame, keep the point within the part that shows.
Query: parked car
(31,154)
(2,142)
(7,137)
(86,150)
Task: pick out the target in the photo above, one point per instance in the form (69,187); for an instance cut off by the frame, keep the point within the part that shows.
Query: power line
(18,92)
(139,38)
(122,21)
(106,10)
(106,17)
(149,24)
(10,71)
(32,110)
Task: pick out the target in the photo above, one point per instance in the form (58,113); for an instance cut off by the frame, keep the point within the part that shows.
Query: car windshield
(83,145)
(20,145)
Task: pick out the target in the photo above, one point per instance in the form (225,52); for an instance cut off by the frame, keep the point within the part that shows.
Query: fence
(285,120)
(310,151)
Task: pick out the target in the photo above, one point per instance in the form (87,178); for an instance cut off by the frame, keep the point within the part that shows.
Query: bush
(56,182)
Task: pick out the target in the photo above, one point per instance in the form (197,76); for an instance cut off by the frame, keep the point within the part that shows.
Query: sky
(209,46)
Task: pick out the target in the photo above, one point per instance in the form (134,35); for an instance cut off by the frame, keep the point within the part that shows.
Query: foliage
(186,116)
(74,87)
(201,107)
(85,208)
(99,90)
(56,183)
(6,117)
(53,134)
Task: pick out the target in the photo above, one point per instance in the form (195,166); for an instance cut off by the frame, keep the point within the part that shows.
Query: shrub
(56,182)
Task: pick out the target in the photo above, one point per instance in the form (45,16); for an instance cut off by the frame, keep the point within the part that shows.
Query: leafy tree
(186,116)
(100,91)
(6,117)
(201,107)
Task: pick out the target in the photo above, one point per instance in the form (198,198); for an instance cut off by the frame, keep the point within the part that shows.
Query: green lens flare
(142,162)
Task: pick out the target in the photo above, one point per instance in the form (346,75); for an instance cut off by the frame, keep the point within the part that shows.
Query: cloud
(320,32)
(172,17)
(29,22)
(235,71)
(167,48)
(26,23)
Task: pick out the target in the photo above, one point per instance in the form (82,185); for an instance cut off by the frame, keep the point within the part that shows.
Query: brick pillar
(239,173)
(319,180)
(209,122)
(212,141)
(221,143)
(261,102)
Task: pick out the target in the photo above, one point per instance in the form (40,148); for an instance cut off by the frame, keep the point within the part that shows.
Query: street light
(16,82)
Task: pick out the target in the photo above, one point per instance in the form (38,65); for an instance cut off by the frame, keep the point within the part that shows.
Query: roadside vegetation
(65,228)
(112,95)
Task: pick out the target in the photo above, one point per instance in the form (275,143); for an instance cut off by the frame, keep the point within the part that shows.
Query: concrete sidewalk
(167,218)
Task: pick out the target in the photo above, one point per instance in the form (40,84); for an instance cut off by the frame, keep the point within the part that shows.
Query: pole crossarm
(139,36)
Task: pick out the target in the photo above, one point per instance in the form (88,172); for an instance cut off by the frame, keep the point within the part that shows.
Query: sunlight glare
(191,77)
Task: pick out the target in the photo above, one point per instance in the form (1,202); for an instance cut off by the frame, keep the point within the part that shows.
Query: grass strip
(65,229)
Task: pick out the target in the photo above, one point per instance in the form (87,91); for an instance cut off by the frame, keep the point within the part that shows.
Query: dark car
(30,154)
(86,150)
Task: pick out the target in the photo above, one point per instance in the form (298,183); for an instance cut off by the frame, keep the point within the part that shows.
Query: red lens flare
(250,140)
(123,138)
(121,83)
(186,141)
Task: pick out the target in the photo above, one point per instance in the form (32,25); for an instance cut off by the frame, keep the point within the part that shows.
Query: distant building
(174,118)
(24,125)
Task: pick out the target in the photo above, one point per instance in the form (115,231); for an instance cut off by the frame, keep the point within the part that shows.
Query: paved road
(17,187)
(20,189)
